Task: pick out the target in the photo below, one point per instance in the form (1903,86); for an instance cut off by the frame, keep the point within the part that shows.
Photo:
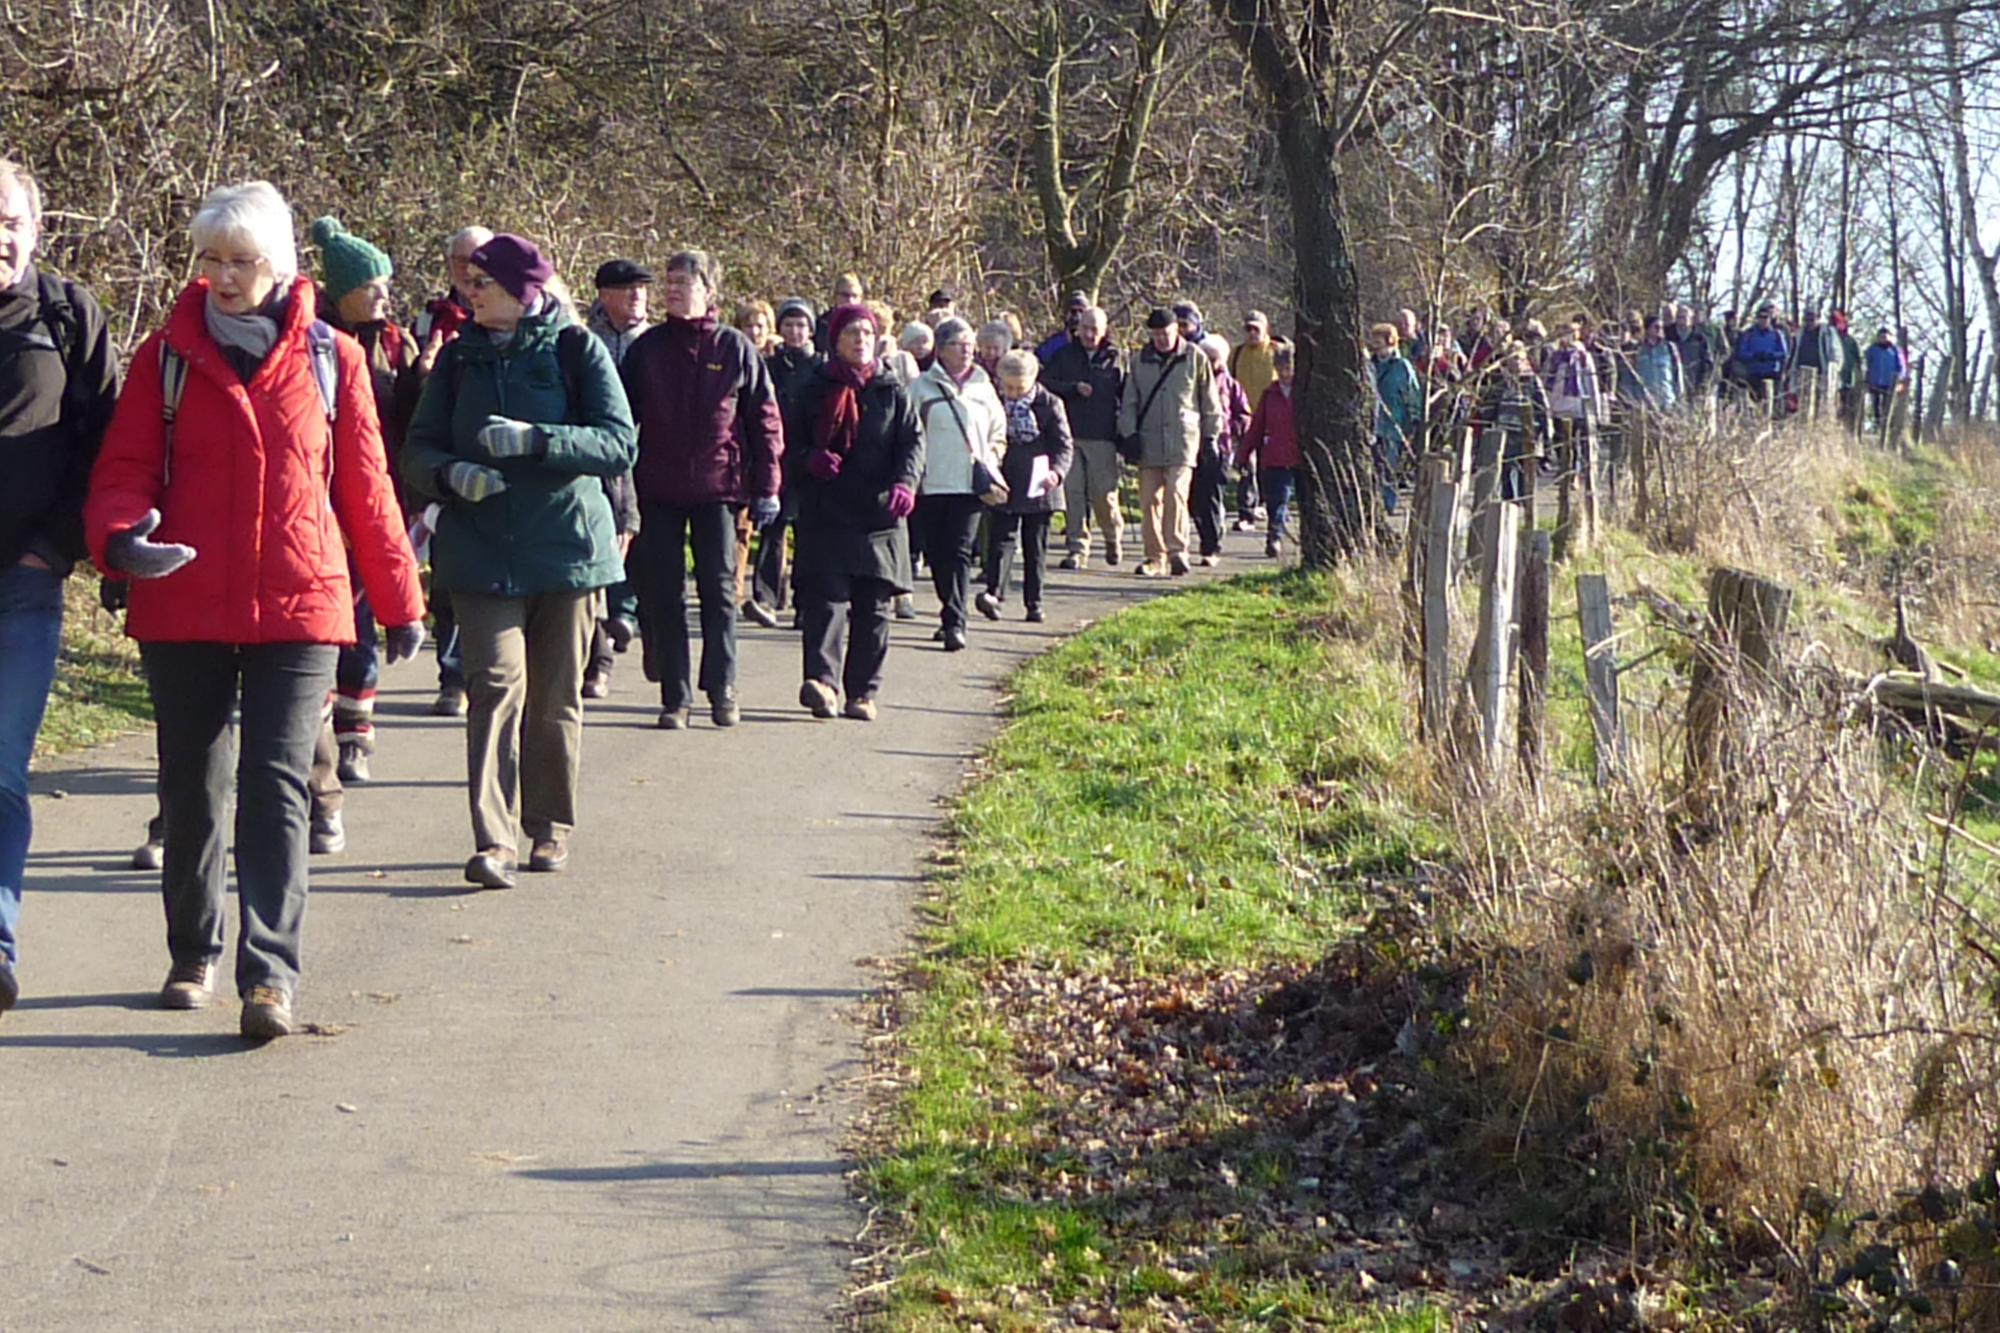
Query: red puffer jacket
(249,492)
(1273,437)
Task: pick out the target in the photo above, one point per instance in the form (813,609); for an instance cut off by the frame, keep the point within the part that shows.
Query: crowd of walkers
(263,484)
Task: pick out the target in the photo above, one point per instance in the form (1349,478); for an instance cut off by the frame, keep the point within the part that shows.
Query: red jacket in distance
(1273,435)
(256,488)
(709,427)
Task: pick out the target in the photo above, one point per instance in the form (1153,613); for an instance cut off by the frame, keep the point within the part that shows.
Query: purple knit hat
(844,315)
(514,263)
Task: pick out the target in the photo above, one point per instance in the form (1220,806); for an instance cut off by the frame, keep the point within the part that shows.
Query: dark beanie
(514,263)
(844,315)
(1161,318)
(796,306)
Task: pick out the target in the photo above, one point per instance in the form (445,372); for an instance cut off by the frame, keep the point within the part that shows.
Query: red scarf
(839,423)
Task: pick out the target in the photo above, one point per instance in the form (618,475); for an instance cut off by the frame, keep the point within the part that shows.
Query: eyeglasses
(482,282)
(216,265)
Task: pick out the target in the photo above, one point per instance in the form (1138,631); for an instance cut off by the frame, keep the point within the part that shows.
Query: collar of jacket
(535,331)
(1158,358)
(187,331)
(681,329)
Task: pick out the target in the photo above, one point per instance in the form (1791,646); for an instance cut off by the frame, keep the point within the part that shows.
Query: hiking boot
(328,836)
(149,855)
(988,604)
(450,702)
(621,630)
(596,684)
(861,710)
(267,1014)
(492,868)
(954,639)
(1035,615)
(548,855)
(758,613)
(818,696)
(188,986)
(673,719)
(353,763)
(10,986)
(1177,565)
(1071,561)
(906,607)
(722,710)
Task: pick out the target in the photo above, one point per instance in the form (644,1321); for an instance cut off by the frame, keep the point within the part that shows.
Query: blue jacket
(1658,366)
(1398,400)
(1885,365)
(1762,353)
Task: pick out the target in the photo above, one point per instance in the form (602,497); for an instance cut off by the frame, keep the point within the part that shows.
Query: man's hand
(1085,389)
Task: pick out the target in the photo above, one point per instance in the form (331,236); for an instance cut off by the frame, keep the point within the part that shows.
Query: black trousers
(1002,532)
(282,689)
(845,621)
(1205,501)
(1247,494)
(946,529)
(664,534)
(771,578)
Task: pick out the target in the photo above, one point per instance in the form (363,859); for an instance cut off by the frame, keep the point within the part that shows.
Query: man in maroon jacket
(710,441)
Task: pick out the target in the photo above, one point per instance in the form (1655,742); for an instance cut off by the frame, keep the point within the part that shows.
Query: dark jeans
(770,581)
(844,619)
(1205,501)
(444,630)
(619,601)
(31,608)
(283,689)
(664,533)
(1001,530)
(946,529)
(1276,483)
(1248,484)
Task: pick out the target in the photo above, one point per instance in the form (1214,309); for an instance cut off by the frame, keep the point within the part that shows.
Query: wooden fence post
(1440,526)
(1531,738)
(1600,669)
(1416,542)
(1746,629)
(1493,644)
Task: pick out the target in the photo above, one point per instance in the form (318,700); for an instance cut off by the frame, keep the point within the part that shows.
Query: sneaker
(1146,570)
(10,986)
(492,868)
(818,696)
(328,836)
(954,639)
(1177,565)
(1071,562)
(761,614)
(450,702)
(906,607)
(1271,550)
(548,855)
(267,1014)
(1034,615)
(621,630)
(722,710)
(988,604)
(1207,560)
(673,719)
(353,763)
(188,986)
(596,684)
(861,710)
(1244,525)
(149,855)
(1111,555)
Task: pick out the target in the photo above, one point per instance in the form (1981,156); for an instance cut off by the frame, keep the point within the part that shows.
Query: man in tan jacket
(1170,405)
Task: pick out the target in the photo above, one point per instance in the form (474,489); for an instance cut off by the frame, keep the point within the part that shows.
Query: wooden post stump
(1747,618)
(1531,727)
(1440,525)
(1493,643)
(1600,670)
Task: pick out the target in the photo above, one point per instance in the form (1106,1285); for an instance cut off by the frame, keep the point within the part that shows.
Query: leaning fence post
(1600,670)
(1439,528)
(1747,617)
(1531,730)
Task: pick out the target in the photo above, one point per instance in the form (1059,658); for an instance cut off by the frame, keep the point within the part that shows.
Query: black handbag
(988,485)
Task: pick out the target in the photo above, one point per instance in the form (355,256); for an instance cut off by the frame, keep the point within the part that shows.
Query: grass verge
(1187,801)
(99,694)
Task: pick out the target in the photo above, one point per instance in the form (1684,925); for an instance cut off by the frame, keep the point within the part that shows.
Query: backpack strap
(59,317)
(569,364)
(173,382)
(326,366)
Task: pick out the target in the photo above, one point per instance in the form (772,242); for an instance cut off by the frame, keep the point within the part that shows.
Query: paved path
(608,1099)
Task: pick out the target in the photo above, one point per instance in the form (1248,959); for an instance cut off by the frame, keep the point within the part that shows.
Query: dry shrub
(1735,493)
(1742,1014)
(1962,587)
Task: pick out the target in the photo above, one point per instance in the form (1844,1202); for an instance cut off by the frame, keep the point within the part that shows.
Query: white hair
(252,215)
(475,233)
(21,176)
(916,338)
(1019,366)
(1217,348)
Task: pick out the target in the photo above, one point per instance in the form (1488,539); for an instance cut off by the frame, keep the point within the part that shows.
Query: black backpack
(58,315)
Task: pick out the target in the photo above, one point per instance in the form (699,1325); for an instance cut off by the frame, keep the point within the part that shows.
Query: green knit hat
(348,261)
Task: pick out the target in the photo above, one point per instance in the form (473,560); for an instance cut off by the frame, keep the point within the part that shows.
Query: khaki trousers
(1163,503)
(1090,497)
(524,659)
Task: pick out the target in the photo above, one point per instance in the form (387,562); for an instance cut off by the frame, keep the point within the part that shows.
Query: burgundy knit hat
(844,315)
(514,263)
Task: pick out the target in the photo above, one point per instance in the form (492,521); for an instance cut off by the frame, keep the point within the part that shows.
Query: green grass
(1198,782)
(98,693)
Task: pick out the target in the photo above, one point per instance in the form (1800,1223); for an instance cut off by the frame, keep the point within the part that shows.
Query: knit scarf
(1021,428)
(251,336)
(839,423)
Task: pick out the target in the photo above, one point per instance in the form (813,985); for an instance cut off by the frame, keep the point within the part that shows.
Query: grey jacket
(1185,412)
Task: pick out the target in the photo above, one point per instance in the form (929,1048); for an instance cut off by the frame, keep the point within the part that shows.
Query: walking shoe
(988,604)
(353,763)
(1146,570)
(149,855)
(188,986)
(1207,559)
(1271,550)
(1034,615)
(861,710)
(819,697)
(267,1014)
(937,635)
(547,856)
(1177,565)
(722,710)
(10,986)
(673,719)
(906,607)
(492,868)
(328,836)
(763,615)
(621,630)
(954,639)
(1111,555)
(1245,525)
(1071,561)
(450,702)
(596,684)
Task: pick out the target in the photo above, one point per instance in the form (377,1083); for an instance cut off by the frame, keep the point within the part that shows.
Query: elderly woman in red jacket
(1272,445)
(244,458)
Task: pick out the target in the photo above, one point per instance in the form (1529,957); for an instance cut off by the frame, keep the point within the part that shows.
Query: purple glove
(902,501)
(823,464)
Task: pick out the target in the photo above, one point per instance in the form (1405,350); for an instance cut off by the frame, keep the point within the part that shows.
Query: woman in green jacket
(520,425)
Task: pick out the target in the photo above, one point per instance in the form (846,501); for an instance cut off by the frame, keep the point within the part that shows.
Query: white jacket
(960,423)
